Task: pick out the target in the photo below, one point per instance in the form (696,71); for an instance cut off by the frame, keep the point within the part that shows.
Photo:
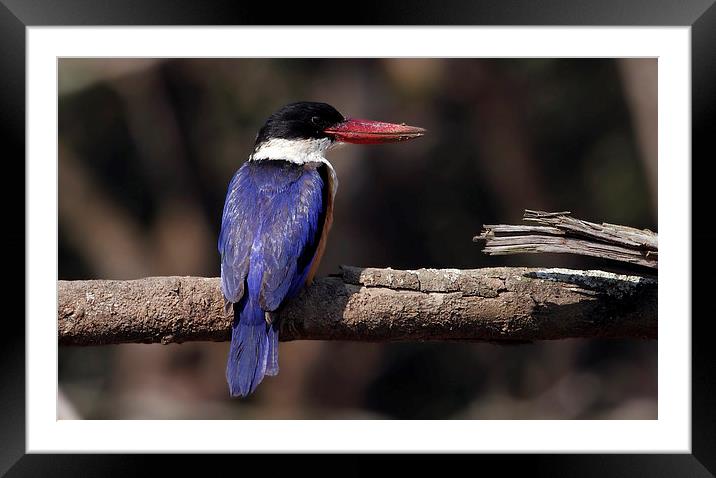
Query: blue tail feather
(251,346)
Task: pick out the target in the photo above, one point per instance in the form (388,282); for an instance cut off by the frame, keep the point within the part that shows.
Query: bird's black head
(302,132)
(301,120)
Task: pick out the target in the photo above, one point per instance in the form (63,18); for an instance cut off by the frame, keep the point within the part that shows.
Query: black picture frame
(700,15)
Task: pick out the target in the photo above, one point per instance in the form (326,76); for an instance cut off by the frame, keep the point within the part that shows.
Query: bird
(276,218)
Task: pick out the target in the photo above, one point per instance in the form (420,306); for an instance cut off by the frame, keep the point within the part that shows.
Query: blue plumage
(276,217)
(270,229)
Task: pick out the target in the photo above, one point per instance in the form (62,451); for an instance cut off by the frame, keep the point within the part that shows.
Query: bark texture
(376,305)
(559,232)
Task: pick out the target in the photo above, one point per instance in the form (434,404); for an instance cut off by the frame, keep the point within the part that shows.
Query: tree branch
(559,232)
(496,304)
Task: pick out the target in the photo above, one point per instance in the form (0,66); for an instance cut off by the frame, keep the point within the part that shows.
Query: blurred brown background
(147,148)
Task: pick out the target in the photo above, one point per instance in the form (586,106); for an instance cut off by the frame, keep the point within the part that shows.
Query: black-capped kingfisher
(277,214)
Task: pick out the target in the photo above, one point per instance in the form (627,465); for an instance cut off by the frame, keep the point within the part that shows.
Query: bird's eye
(316,120)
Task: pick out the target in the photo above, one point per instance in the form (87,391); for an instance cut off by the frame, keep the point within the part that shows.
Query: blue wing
(271,225)
(239,224)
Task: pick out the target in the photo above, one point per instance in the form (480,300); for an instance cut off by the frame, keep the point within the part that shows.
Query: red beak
(372,132)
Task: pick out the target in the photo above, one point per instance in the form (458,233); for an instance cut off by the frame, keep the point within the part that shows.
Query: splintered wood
(559,232)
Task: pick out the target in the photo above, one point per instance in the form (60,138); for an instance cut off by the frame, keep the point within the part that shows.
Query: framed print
(152,322)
